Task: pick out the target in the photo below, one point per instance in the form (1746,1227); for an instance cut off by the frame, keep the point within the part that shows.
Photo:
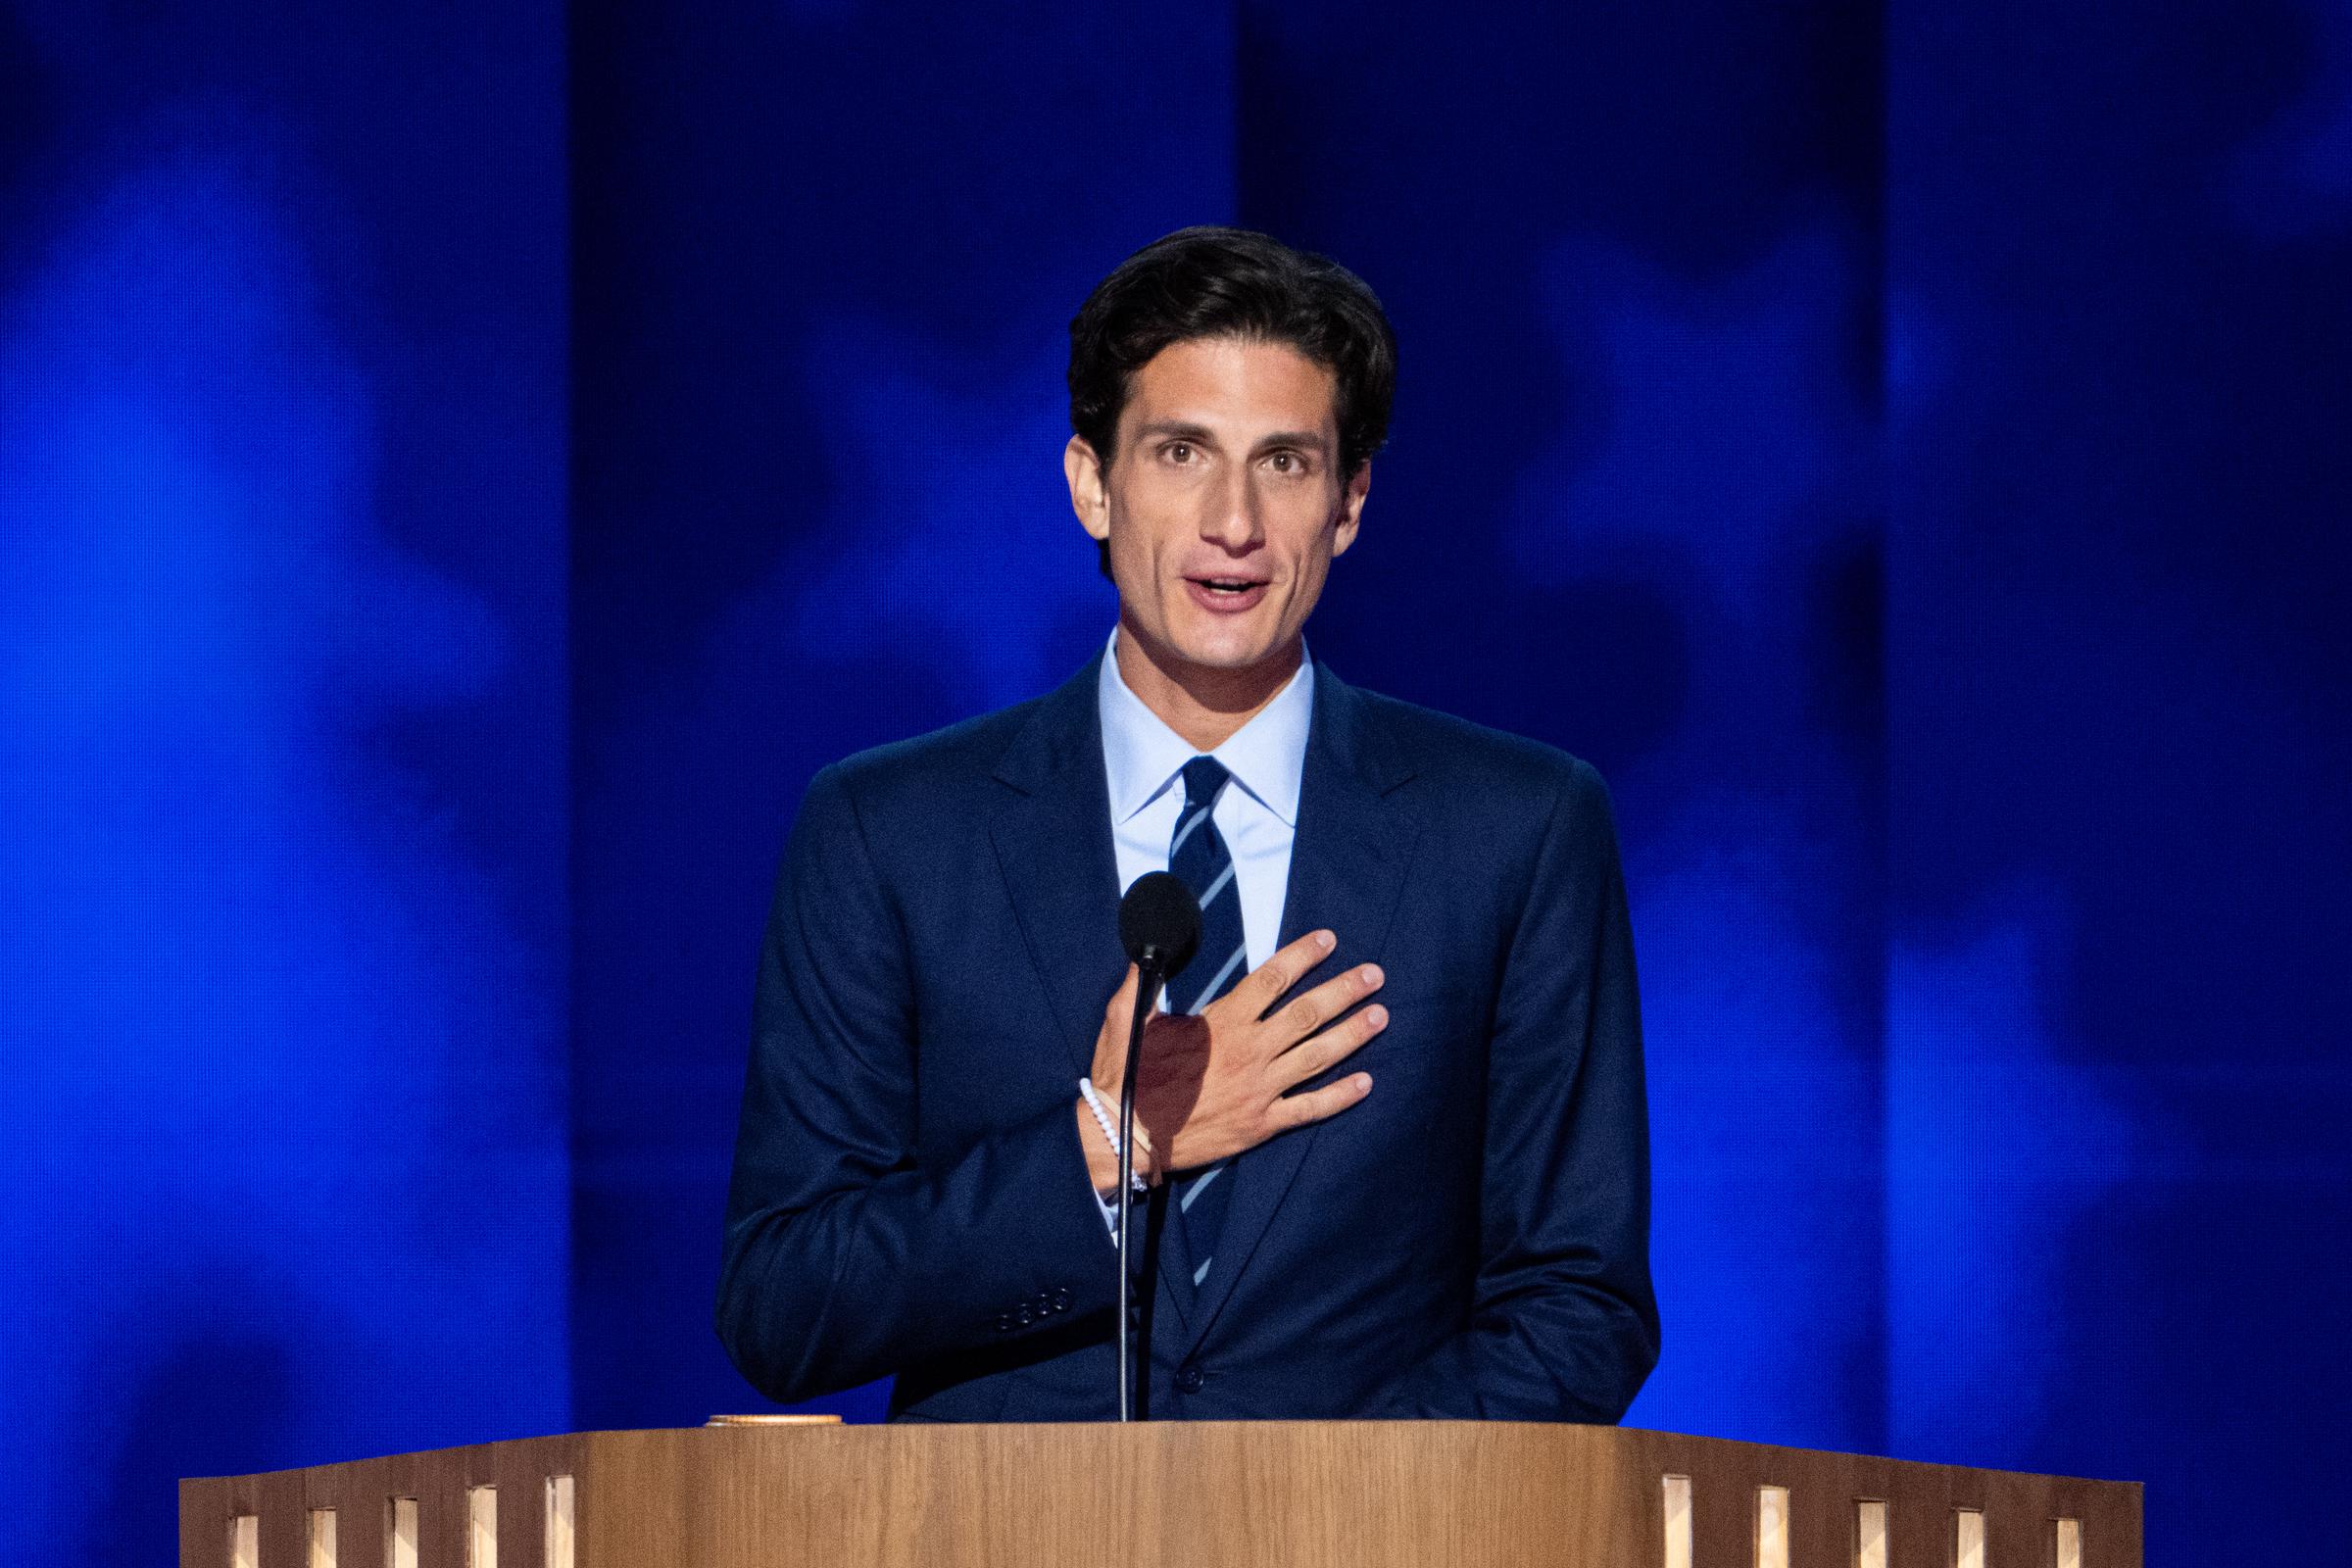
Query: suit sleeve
(1564,1324)
(846,1259)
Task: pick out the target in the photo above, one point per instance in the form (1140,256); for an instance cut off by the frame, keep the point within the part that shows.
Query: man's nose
(1233,521)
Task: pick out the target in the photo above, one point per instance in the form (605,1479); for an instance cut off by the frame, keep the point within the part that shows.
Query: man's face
(1223,504)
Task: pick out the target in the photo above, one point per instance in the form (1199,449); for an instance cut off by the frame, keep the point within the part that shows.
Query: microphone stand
(1148,979)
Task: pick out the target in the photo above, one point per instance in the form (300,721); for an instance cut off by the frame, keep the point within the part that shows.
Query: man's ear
(1351,506)
(1089,496)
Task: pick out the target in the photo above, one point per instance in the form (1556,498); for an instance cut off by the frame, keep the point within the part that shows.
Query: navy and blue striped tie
(1199,856)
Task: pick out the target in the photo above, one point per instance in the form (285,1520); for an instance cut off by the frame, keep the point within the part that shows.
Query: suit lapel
(1348,862)
(1053,839)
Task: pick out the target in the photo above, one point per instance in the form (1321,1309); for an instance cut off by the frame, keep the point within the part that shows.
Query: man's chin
(1221,648)
(1226,648)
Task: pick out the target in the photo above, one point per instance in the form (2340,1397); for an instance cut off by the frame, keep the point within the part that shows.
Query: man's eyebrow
(1312,440)
(1177,430)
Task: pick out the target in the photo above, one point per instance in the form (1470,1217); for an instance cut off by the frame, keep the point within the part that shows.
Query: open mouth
(1226,595)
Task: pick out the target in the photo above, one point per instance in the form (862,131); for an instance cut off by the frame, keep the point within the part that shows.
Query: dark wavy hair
(1204,283)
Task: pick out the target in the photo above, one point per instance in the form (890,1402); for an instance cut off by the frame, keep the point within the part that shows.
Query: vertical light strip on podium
(482,1526)
(555,1552)
(400,1533)
(323,1538)
(1678,1521)
(245,1541)
(1968,1538)
(1772,1527)
(2069,1550)
(1870,1533)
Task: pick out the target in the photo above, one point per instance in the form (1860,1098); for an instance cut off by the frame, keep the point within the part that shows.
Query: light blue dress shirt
(1257,813)
(1143,760)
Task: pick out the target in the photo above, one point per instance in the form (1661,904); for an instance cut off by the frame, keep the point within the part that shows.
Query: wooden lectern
(1235,1495)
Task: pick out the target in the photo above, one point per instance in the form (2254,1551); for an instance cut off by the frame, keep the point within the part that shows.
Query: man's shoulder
(1470,762)
(921,770)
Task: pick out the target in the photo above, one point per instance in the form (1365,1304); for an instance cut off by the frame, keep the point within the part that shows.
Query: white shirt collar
(1142,756)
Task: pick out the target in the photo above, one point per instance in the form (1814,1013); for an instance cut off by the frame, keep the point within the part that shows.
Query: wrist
(1099,1129)
(1101,1161)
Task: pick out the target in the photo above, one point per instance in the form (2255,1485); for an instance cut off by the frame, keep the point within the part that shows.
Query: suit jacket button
(1061,1301)
(1003,1322)
(1190,1379)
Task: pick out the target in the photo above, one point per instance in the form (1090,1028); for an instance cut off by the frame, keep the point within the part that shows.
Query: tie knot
(1204,776)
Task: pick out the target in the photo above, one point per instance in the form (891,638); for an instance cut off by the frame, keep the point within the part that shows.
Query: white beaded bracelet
(1110,1130)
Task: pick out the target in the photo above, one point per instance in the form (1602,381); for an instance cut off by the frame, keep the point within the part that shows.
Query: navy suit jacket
(909,1192)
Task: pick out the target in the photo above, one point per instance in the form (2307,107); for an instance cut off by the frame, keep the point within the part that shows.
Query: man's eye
(1178,451)
(1287,462)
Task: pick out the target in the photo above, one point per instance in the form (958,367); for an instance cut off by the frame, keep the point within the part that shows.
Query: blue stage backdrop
(284,1163)
(1903,447)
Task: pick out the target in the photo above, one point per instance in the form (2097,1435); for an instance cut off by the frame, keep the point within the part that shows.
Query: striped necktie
(1198,856)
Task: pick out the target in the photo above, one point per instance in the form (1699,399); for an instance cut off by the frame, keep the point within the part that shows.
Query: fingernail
(1326,941)
(1378,1016)
(1372,975)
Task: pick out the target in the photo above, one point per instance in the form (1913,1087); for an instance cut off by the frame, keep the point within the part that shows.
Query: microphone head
(1160,916)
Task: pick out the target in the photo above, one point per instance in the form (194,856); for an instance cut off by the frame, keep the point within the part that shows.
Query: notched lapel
(1052,833)
(1357,831)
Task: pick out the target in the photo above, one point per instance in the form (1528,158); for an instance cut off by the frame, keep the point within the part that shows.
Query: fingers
(1305,1061)
(1334,996)
(1300,1110)
(1122,1005)
(1271,980)
(1110,1046)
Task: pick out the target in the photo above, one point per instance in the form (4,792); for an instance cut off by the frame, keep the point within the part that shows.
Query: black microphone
(1159,922)
(1159,927)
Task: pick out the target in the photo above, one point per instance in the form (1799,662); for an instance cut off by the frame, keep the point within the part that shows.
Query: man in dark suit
(1392,1128)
